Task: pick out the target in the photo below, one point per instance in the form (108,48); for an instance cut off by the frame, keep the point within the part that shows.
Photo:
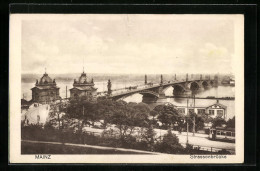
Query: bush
(223,151)
(189,149)
(207,131)
(170,144)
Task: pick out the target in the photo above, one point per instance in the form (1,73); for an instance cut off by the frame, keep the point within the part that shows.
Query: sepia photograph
(128,88)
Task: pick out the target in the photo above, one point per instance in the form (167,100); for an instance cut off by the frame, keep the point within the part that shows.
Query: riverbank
(211,98)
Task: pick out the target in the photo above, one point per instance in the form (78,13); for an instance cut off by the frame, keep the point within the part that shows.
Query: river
(220,91)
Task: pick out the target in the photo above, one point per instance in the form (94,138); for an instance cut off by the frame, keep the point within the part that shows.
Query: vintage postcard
(126,88)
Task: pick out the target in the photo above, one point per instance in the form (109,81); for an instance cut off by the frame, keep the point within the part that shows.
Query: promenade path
(199,140)
(94,147)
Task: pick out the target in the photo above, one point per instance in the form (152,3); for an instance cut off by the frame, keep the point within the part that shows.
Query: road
(197,140)
(200,140)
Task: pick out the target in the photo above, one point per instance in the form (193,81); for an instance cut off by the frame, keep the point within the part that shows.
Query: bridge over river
(151,92)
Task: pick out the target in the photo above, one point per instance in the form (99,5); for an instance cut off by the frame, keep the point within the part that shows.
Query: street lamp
(194,121)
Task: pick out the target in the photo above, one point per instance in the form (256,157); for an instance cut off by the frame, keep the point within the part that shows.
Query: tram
(222,134)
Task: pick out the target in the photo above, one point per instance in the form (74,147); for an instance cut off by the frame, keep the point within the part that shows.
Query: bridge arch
(148,92)
(165,88)
(178,89)
(143,92)
(194,86)
(205,84)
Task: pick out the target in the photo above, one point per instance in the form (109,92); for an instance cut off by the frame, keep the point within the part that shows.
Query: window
(191,110)
(223,133)
(211,112)
(228,133)
(201,111)
(233,134)
(181,110)
(220,113)
(218,132)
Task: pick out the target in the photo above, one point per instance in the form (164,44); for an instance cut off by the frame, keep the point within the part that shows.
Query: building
(45,91)
(214,110)
(232,82)
(217,110)
(36,114)
(83,89)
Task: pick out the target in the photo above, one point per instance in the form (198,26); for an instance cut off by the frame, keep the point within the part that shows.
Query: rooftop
(83,81)
(45,81)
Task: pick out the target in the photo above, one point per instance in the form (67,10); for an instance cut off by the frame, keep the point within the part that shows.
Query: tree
(168,115)
(199,121)
(218,122)
(231,123)
(149,137)
(170,144)
(127,117)
(81,112)
(57,115)
(105,109)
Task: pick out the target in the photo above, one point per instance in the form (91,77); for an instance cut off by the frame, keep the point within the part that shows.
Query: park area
(117,124)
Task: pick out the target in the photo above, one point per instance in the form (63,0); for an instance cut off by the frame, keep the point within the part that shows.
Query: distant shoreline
(213,98)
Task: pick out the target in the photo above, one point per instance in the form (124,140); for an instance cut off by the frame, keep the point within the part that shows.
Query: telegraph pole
(66,92)
(194,118)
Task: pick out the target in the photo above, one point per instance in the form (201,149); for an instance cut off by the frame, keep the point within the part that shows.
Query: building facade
(83,89)
(45,90)
(214,110)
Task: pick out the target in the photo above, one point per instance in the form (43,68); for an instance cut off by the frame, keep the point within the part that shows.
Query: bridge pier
(201,88)
(161,93)
(215,84)
(181,92)
(149,98)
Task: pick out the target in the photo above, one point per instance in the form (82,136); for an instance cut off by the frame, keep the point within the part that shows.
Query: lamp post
(194,119)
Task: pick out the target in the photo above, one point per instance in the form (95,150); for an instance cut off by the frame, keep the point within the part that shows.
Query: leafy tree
(105,109)
(154,120)
(149,137)
(167,114)
(57,115)
(199,121)
(80,113)
(218,122)
(170,144)
(231,123)
(127,117)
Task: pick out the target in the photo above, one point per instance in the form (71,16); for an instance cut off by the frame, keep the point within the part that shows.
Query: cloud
(107,45)
(96,28)
(214,58)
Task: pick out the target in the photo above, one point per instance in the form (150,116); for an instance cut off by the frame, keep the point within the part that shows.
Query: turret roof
(45,79)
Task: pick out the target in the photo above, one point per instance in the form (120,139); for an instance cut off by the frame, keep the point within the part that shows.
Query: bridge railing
(141,87)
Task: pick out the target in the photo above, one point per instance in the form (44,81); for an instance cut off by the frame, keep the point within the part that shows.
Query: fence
(210,149)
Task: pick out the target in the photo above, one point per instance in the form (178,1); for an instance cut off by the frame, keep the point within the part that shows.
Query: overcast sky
(152,44)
